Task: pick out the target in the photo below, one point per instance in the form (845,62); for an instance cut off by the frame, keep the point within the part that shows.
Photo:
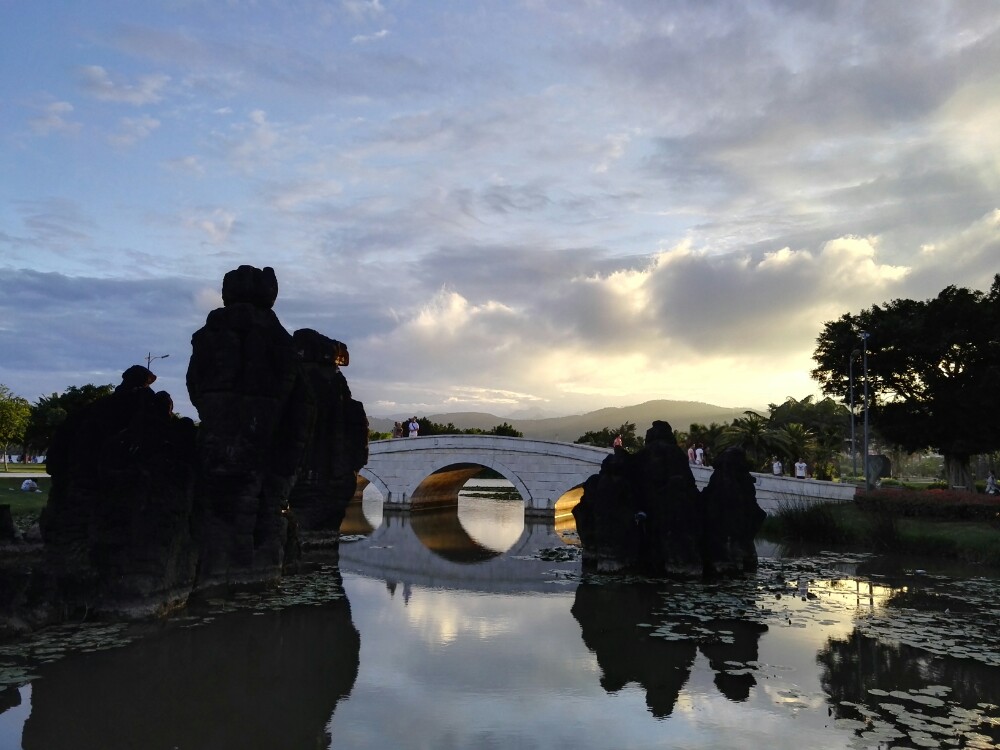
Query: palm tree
(758,439)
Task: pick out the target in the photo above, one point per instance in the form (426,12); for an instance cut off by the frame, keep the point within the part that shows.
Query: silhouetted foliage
(51,411)
(933,370)
(427,427)
(605,437)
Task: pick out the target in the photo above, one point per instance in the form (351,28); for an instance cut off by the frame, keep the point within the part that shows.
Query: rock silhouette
(146,507)
(643,512)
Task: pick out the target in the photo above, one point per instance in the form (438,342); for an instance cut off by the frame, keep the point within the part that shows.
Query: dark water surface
(477,630)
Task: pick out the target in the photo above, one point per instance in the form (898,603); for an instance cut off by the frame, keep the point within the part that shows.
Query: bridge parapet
(542,471)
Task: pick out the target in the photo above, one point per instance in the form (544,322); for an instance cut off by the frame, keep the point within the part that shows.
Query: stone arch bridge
(426,472)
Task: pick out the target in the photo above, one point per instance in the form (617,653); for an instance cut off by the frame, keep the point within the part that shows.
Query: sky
(523,207)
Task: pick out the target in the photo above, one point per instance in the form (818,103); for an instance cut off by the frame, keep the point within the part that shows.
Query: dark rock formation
(188,687)
(338,444)
(117,526)
(732,516)
(643,512)
(256,414)
(145,508)
(618,621)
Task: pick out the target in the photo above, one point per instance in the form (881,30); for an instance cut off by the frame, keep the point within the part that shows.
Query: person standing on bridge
(414,427)
(800,469)
(776,467)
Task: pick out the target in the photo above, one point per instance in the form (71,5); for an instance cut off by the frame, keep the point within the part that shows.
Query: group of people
(406,429)
(801,468)
(696,454)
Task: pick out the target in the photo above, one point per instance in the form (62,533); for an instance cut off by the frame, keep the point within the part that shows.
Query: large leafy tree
(51,411)
(14,414)
(934,372)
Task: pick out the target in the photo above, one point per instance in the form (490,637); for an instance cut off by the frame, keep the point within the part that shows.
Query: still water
(478,630)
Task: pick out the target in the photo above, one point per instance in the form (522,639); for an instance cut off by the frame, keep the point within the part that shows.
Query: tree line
(427,427)
(30,427)
(798,428)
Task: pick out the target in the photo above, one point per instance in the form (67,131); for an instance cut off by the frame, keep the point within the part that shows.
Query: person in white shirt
(776,467)
(413,427)
(800,469)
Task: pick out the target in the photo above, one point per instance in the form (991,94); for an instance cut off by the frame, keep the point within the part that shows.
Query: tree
(933,370)
(427,427)
(605,437)
(710,437)
(816,431)
(51,411)
(14,414)
(505,430)
(757,437)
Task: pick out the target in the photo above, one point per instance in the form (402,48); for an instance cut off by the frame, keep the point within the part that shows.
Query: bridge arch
(448,476)
(430,470)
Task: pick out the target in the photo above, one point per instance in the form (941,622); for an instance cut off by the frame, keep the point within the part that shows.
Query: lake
(476,629)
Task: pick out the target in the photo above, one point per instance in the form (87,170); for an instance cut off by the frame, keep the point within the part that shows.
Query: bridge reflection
(449,547)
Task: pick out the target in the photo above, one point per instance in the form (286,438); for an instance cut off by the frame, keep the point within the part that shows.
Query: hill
(680,415)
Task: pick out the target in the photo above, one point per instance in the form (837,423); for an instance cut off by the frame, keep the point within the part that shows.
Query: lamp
(864,356)
(850,377)
(150,358)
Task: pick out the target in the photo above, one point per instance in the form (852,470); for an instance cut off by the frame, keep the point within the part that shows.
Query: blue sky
(550,205)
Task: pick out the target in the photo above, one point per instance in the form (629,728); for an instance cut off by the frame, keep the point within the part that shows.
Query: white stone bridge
(425,472)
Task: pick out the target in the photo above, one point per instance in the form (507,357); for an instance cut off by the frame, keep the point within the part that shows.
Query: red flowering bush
(955,505)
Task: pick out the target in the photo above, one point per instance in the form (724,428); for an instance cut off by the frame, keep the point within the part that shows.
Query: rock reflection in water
(246,680)
(896,690)
(617,620)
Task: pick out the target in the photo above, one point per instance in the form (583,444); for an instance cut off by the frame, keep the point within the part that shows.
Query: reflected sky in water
(404,647)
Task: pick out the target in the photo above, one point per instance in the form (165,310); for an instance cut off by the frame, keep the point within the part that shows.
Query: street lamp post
(150,358)
(864,358)
(850,377)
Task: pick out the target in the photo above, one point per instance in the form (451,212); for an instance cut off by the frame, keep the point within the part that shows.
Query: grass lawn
(15,468)
(23,503)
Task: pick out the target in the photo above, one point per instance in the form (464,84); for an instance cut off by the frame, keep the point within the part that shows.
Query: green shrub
(799,521)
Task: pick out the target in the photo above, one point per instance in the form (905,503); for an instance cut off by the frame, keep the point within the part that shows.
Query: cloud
(254,143)
(216,225)
(55,119)
(190,164)
(363,9)
(131,130)
(365,38)
(98,83)
(54,222)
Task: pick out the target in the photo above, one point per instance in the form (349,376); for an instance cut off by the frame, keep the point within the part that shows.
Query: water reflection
(617,621)
(520,649)
(250,679)
(890,691)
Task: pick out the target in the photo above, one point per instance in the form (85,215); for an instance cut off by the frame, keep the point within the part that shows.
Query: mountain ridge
(680,415)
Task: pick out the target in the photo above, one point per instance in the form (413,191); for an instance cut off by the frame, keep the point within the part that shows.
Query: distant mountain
(680,415)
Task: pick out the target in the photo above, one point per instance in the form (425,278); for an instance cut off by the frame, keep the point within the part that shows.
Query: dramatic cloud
(557,204)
